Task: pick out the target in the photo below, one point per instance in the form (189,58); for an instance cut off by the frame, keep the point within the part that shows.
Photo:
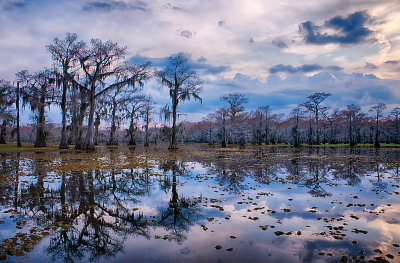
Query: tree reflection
(181,212)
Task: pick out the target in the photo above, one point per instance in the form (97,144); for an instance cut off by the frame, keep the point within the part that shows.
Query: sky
(274,52)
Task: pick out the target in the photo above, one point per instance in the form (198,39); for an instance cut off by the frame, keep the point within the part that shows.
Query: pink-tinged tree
(377,110)
(395,114)
(313,104)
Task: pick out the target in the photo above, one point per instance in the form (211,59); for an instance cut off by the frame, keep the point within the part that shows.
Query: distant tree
(39,93)
(266,113)
(236,104)
(209,122)
(221,116)
(65,55)
(395,114)
(131,109)
(147,110)
(6,100)
(378,112)
(351,114)
(296,112)
(258,127)
(313,104)
(183,83)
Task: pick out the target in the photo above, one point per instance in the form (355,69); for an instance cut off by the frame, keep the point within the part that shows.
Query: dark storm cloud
(279,43)
(394,62)
(199,64)
(107,6)
(349,30)
(302,69)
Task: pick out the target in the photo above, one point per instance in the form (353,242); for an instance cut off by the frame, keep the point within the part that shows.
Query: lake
(201,204)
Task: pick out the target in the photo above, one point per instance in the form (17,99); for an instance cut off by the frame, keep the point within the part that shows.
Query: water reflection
(275,203)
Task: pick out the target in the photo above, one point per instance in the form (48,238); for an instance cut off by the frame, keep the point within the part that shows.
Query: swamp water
(201,204)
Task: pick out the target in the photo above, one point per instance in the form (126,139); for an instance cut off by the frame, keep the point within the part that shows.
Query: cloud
(393,62)
(279,43)
(170,6)
(200,64)
(187,34)
(370,66)
(107,6)
(302,69)
(348,30)
(13,4)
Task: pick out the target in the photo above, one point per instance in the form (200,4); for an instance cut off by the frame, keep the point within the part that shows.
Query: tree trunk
(397,131)
(17,107)
(89,143)
(132,130)
(376,144)
(331,137)
(351,137)
(79,126)
(146,127)
(64,143)
(316,120)
(41,133)
(310,134)
(113,140)
(3,132)
(96,129)
(223,137)
(210,142)
(173,144)
(266,132)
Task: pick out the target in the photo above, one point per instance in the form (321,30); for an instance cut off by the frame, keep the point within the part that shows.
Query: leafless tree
(296,113)
(395,114)
(378,112)
(266,114)
(147,111)
(183,83)
(132,109)
(313,104)
(351,114)
(65,55)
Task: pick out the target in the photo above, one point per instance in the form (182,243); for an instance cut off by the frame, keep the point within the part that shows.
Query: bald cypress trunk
(3,132)
(41,133)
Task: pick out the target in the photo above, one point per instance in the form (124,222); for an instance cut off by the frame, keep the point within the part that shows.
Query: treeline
(312,122)
(93,84)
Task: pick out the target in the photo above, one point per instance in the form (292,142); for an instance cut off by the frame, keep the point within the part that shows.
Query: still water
(201,204)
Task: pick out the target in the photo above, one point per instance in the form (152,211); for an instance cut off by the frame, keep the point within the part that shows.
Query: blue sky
(275,52)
